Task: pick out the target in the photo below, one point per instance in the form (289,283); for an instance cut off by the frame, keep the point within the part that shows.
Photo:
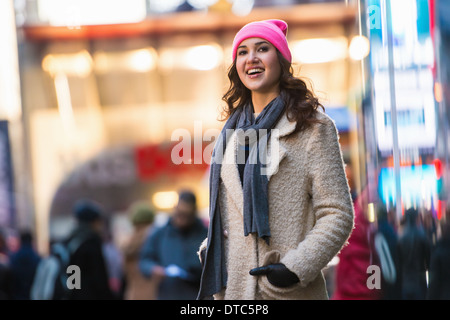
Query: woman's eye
(263,49)
(242,52)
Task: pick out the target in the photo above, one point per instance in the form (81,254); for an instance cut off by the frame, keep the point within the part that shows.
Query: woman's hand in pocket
(277,274)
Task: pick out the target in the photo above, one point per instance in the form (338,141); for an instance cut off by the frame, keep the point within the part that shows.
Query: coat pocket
(268,290)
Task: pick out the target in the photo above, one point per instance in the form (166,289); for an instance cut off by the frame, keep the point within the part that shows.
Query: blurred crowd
(411,256)
(156,262)
(161,262)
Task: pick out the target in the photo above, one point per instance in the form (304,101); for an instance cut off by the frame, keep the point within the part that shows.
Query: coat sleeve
(331,204)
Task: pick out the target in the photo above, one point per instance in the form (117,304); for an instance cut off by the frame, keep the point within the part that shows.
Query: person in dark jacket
(170,253)
(23,264)
(389,286)
(413,258)
(439,286)
(5,271)
(89,255)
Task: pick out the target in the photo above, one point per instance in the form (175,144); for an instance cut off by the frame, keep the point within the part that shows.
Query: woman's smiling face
(258,66)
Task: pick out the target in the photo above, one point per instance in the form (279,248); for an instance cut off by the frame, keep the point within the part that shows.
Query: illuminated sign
(415,109)
(154,161)
(418,186)
(413,62)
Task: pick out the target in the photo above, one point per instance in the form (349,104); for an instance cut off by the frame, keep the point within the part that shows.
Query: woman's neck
(260,101)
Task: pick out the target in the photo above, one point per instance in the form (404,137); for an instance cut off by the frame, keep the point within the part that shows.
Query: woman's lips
(254,72)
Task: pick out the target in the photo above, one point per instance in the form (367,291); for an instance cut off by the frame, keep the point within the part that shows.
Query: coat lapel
(230,173)
(276,152)
(277,149)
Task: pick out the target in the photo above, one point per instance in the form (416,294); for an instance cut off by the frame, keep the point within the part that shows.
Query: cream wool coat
(310,213)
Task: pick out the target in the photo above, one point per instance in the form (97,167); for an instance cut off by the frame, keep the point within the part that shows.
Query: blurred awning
(191,22)
(119,176)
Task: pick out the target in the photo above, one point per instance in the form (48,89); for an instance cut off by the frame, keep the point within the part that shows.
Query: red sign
(153,161)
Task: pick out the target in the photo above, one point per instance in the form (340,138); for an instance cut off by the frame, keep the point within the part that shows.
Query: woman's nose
(252,58)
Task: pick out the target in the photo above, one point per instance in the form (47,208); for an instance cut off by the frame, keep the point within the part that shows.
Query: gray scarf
(254,134)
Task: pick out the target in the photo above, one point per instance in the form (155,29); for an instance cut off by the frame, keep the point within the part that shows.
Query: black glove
(277,274)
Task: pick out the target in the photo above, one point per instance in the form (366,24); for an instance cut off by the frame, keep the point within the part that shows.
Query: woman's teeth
(254,71)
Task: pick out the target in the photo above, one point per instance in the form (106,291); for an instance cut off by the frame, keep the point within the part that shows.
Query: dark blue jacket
(23,265)
(91,261)
(413,250)
(167,245)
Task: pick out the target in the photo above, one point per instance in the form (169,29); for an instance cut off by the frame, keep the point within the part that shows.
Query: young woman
(280,205)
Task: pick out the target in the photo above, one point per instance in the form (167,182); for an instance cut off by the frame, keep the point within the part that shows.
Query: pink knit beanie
(272,30)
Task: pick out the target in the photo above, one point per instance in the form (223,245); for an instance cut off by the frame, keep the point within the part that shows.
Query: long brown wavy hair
(301,103)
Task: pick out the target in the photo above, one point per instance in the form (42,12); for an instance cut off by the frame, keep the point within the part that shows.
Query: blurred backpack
(50,281)
(387,263)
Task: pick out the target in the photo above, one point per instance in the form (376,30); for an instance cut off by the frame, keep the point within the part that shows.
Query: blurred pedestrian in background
(279,217)
(113,260)
(137,286)
(89,255)
(413,258)
(169,255)
(4,250)
(23,264)
(390,289)
(354,259)
(429,225)
(5,273)
(439,273)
